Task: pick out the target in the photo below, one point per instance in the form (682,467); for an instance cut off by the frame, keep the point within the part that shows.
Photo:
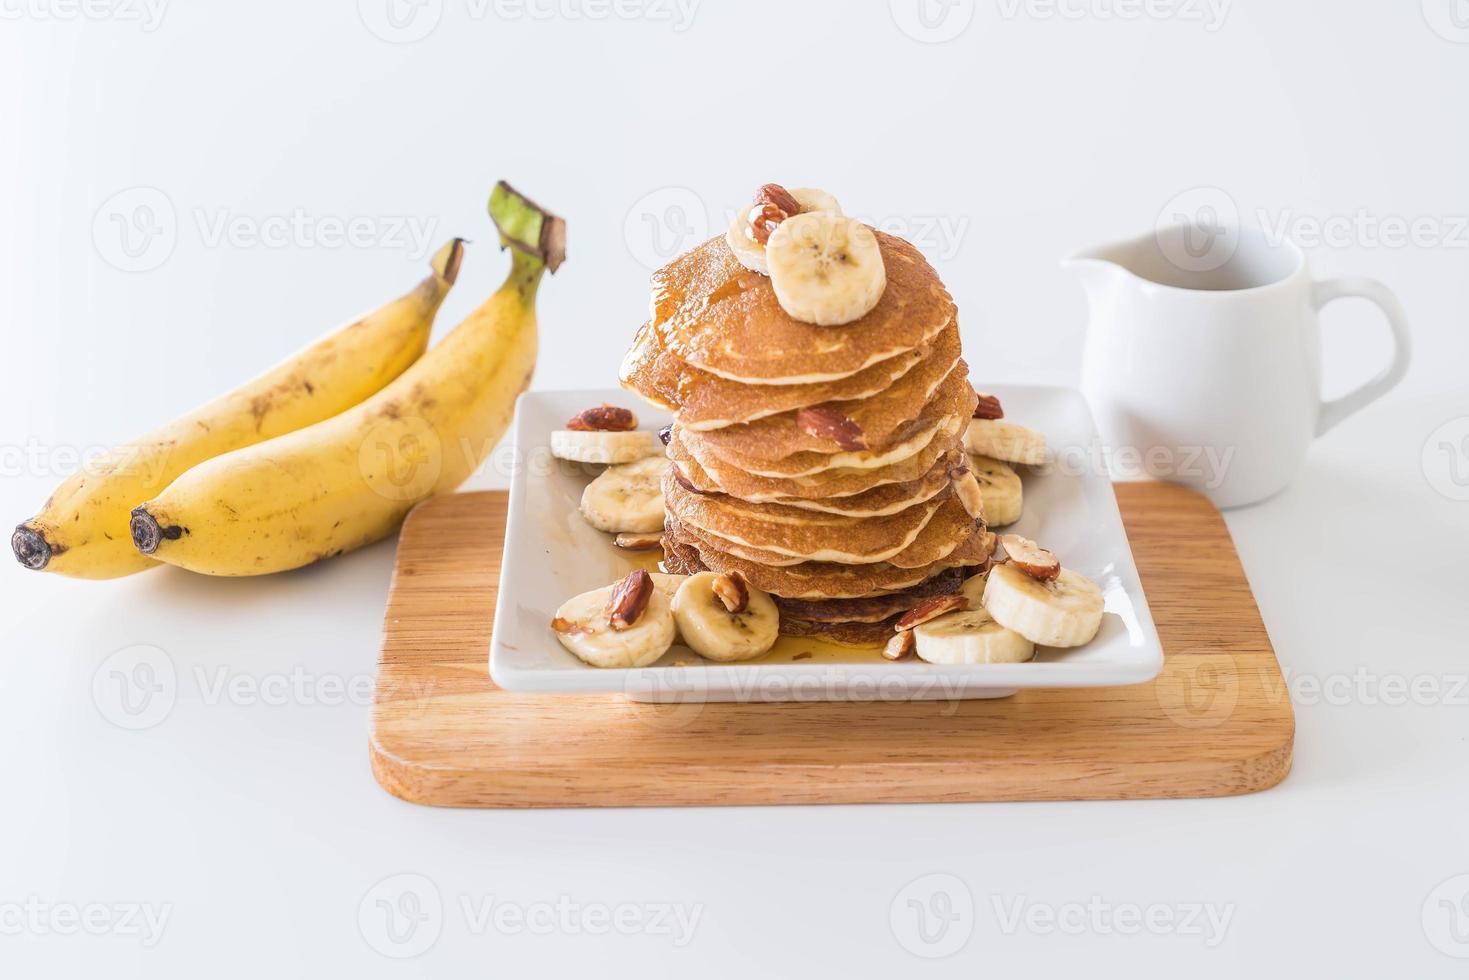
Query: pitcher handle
(1327,290)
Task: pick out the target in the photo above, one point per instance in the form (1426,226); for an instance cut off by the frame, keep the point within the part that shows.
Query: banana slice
(742,243)
(716,624)
(1005,441)
(627,497)
(604,447)
(814,199)
(667,584)
(825,268)
(973,589)
(970,637)
(584,626)
(1064,612)
(999,488)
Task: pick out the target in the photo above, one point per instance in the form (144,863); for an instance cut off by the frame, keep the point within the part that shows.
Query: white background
(1035,130)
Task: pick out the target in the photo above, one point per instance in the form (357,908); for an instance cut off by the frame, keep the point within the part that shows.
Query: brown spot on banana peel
(148,534)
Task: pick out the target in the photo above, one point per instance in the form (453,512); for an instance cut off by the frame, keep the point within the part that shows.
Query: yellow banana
(350,480)
(83,528)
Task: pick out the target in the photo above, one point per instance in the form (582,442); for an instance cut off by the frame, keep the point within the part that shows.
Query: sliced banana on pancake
(815,199)
(629,624)
(1001,489)
(1065,611)
(724,618)
(604,447)
(627,497)
(825,268)
(971,636)
(742,243)
(1005,441)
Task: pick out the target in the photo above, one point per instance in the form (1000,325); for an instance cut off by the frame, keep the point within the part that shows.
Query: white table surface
(245,820)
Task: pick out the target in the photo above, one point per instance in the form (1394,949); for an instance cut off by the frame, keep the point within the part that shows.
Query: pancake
(941,379)
(943,419)
(877,502)
(817,580)
(864,635)
(799,534)
(701,401)
(949,527)
(872,609)
(720,317)
(836,483)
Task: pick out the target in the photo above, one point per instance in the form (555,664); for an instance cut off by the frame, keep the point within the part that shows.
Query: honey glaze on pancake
(701,401)
(802,535)
(720,317)
(817,580)
(835,483)
(785,452)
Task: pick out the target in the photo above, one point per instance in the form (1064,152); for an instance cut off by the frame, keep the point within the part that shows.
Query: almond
(604,418)
(733,592)
(1030,557)
(827,423)
(988,407)
(629,600)
(966,488)
(930,609)
(901,645)
(637,542)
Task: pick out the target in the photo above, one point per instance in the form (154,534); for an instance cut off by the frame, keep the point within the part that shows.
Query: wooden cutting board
(1216,722)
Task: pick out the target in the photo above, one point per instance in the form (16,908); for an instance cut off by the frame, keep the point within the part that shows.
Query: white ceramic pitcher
(1203,356)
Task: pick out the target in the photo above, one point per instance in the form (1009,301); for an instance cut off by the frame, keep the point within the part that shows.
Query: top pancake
(720,317)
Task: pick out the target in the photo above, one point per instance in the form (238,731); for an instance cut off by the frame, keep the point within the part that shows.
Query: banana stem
(537,236)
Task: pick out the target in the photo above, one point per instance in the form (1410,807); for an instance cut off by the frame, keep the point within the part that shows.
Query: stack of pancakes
(816,460)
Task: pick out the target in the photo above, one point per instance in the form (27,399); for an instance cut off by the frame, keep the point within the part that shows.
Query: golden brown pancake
(877,502)
(941,379)
(943,418)
(834,483)
(817,580)
(949,527)
(701,401)
(799,534)
(720,317)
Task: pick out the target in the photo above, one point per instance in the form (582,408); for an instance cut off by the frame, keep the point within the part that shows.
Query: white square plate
(552,554)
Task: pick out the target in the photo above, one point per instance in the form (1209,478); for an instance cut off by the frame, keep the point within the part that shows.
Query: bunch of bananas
(326,452)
